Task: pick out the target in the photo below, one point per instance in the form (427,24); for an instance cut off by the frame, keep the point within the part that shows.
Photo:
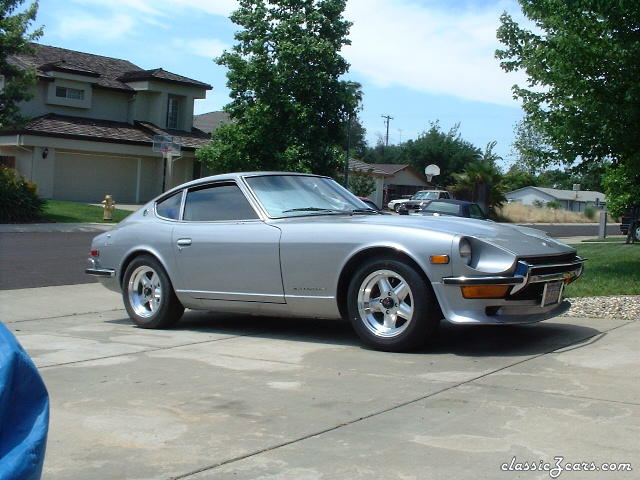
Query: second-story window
(72,93)
(172,112)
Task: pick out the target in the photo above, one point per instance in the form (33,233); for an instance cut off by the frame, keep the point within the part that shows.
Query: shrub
(590,213)
(18,198)
(538,203)
(555,205)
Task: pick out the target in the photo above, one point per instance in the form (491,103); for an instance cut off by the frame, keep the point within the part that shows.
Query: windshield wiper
(365,210)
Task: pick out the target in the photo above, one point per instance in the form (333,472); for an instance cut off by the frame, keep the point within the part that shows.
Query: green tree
(14,39)
(620,187)
(516,178)
(289,106)
(533,151)
(582,64)
(361,184)
(480,182)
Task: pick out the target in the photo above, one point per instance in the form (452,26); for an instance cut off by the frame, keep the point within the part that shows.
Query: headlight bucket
(464,249)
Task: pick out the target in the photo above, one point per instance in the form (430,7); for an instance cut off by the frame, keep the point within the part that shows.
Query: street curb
(55,227)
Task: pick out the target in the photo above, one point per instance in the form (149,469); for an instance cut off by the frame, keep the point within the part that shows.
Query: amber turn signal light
(485,291)
(439,259)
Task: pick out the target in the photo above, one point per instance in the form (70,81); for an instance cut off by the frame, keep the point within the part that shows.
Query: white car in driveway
(418,198)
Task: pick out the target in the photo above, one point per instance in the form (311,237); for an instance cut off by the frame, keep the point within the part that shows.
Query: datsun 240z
(301,245)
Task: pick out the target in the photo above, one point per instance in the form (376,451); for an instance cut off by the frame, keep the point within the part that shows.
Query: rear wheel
(636,232)
(391,306)
(148,294)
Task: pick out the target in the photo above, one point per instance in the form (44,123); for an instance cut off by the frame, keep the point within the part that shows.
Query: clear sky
(417,60)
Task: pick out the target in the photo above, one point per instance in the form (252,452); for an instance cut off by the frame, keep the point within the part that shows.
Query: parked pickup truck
(630,224)
(417,199)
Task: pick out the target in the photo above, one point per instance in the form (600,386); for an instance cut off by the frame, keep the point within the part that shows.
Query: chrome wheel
(385,303)
(145,291)
(637,233)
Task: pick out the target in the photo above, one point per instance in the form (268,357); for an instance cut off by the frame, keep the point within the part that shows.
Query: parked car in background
(300,245)
(457,208)
(417,199)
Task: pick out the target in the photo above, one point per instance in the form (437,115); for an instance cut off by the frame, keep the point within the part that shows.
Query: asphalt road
(29,260)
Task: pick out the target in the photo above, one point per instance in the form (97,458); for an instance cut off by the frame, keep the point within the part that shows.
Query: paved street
(38,259)
(239,397)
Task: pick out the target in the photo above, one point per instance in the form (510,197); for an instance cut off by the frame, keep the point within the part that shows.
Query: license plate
(552,293)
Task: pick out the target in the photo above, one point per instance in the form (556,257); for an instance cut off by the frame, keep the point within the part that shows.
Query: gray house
(93,120)
(572,200)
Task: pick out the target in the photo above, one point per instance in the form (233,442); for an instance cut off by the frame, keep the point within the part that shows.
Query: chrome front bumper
(522,303)
(526,274)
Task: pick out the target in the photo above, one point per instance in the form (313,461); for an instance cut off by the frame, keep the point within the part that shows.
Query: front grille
(549,259)
(531,292)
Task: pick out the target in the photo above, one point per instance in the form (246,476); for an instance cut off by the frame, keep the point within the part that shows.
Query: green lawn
(611,269)
(616,239)
(72,212)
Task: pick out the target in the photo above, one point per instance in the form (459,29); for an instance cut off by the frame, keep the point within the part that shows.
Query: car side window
(170,207)
(213,203)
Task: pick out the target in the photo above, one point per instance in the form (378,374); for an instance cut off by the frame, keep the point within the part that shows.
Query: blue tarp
(24,412)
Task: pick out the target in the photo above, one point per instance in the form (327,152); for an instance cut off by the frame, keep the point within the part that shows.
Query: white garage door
(88,178)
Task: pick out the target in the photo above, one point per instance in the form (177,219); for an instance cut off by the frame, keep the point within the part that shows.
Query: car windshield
(476,212)
(425,195)
(296,195)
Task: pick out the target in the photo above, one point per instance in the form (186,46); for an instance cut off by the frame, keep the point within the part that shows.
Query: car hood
(521,241)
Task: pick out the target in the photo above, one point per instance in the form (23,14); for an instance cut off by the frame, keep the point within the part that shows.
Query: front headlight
(464,248)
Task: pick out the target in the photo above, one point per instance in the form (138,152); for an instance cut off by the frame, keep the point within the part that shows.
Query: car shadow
(464,340)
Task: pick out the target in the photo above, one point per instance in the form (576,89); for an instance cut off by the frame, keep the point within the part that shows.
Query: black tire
(148,294)
(396,207)
(636,232)
(398,335)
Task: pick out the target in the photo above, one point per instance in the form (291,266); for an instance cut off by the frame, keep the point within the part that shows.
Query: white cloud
(205,47)
(442,50)
(74,25)
(214,7)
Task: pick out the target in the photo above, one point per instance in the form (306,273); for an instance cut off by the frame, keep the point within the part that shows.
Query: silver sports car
(303,246)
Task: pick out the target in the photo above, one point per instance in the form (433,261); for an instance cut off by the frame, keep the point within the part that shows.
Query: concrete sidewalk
(240,397)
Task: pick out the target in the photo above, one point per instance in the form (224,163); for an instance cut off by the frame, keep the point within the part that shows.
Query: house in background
(573,200)
(392,180)
(208,122)
(93,120)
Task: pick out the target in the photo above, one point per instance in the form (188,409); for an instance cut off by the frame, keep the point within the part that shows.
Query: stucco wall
(104,104)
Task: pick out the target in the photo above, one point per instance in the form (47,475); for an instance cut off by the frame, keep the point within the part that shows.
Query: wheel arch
(132,255)
(379,252)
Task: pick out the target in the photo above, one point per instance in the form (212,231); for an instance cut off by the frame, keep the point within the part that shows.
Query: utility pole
(386,120)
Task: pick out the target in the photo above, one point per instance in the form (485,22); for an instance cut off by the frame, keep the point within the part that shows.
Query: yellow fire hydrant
(109,206)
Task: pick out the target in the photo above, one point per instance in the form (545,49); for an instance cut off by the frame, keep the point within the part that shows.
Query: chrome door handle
(184,242)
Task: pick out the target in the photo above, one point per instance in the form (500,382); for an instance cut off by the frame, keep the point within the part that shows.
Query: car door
(223,250)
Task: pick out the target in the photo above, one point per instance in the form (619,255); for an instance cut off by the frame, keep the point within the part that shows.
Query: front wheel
(396,207)
(636,232)
(148,294)
(391,306)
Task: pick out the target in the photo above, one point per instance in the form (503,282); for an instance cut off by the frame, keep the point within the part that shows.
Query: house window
(71,93)
(172,112)
(9,162)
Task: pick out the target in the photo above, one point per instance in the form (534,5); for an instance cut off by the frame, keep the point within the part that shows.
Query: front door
(223,250)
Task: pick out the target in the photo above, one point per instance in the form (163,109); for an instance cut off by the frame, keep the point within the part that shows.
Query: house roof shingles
(360,166)
(140,133)
(110,72)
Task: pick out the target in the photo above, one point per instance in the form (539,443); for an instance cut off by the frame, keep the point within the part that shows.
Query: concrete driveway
(236,397)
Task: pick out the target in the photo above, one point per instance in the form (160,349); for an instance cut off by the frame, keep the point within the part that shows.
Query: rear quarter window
(170,206)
